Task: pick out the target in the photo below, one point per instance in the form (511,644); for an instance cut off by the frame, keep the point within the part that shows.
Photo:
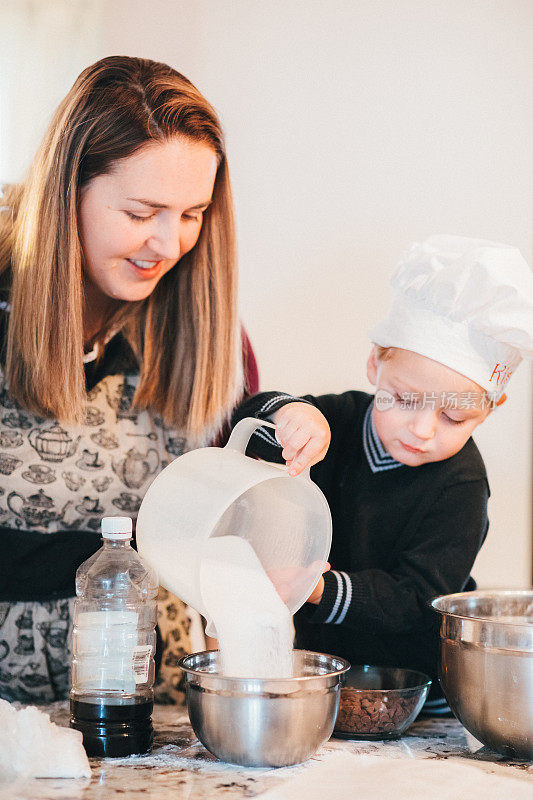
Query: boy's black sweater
(400,537)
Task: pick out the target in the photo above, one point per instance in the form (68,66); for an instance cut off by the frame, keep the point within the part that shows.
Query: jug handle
(243,430)
(241,433)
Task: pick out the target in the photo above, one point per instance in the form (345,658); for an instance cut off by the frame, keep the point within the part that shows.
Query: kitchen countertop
(180,768)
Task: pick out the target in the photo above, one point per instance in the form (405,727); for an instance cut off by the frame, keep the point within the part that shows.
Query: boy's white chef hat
(466,303)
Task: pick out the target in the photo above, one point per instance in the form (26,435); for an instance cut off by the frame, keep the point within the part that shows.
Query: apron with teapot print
(58,478)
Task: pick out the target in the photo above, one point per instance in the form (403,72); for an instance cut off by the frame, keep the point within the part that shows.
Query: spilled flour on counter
(253,624)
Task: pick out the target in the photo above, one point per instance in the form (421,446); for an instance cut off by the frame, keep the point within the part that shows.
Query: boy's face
(422,425)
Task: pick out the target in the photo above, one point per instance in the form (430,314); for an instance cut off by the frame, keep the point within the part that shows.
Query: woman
(121,343)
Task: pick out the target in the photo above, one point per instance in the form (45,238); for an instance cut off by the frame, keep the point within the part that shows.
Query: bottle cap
(116,528)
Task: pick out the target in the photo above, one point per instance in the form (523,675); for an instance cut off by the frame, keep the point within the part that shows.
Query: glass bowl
(380,702)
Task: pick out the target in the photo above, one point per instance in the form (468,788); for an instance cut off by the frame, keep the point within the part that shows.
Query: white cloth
(466,303)
(363,777)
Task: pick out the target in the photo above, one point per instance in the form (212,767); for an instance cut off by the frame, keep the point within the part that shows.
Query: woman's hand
(304,434)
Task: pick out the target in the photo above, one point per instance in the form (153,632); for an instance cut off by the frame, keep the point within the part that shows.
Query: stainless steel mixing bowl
(486,666)
(264,723)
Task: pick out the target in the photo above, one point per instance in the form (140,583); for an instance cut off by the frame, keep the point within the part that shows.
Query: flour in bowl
(253,624)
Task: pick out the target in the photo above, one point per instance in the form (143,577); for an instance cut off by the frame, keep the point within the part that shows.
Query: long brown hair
(186,333)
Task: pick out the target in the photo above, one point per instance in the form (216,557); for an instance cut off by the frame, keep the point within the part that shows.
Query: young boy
(406,484)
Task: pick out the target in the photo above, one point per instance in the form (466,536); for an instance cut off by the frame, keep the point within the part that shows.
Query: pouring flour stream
(242,543)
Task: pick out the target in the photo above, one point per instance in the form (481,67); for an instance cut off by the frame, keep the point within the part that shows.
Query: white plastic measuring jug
(217,491)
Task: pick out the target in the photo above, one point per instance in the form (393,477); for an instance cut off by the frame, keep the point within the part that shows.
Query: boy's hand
(288,580)
(304,434)
(316,595)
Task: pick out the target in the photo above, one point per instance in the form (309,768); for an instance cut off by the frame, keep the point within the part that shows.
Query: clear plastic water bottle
(113,647)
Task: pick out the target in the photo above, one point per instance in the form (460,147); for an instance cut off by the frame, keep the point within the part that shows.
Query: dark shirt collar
(379,459)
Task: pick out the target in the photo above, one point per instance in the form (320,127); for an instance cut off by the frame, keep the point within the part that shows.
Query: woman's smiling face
(137,221)
(425,431)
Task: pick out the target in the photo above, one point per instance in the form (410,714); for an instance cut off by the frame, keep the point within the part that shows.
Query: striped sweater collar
(379,459)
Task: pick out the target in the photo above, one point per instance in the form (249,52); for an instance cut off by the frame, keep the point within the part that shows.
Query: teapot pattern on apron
(59,477)
(67,477)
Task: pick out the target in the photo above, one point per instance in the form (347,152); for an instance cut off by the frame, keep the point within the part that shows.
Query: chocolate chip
(363,712)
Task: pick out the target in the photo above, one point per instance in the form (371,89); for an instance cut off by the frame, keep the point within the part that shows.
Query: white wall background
(353,128)
(44,44)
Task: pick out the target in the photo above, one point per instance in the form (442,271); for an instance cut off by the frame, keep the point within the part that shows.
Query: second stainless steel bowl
(486,666)
(264,723)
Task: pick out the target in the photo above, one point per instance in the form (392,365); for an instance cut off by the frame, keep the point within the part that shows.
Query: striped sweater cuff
(336,599)
(436,708)
(273,401)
